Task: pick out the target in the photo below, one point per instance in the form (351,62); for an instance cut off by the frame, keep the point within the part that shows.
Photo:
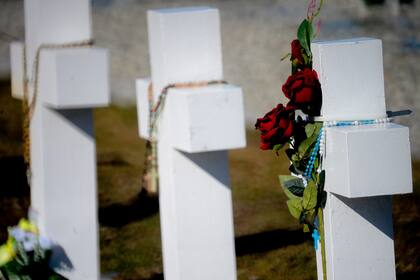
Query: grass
(133,248)
(14,192)
(269,243)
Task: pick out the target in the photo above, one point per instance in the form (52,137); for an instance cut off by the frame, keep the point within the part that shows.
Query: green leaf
(292,185)
(295,169)
(322,199)
(295,158)
(311,33)
(290,153)
(288,181)
(306,228)
(296,190)
(311,130)
(310,216)
(310,196)
(304,34)
(278,147)
(321,180)
(304,147)
(295,207)
(316,164)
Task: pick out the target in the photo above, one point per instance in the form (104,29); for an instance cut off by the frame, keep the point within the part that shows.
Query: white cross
(195,130)
(63,159)
(364,164)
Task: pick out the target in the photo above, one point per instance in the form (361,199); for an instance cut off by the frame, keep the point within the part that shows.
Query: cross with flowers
(347,158)
(285,125)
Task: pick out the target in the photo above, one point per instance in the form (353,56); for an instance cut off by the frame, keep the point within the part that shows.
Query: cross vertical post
(195,129)
(364,164)
(72,79)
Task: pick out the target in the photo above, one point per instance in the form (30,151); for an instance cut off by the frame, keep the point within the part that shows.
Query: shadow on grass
(407,276)
(111,159)
(120,214)
(13,177)
(157,276)
(14,193)
(268,241)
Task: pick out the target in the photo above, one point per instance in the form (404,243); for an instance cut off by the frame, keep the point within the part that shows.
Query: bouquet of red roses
(294,124)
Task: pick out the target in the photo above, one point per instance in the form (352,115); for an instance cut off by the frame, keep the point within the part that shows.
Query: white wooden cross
(63,159)
(195,130)
(364,164)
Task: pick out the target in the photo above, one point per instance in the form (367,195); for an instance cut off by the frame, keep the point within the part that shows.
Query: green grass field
(269,243)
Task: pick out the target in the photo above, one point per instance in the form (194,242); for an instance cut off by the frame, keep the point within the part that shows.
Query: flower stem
(314,15)
(322,233)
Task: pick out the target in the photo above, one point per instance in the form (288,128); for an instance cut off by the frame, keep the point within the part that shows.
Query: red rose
(297,54)
(276,126)
(304,91)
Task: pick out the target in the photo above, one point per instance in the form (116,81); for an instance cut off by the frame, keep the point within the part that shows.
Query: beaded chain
(319,149)
(28,106)
(150,175)
(320,142)
(310,165)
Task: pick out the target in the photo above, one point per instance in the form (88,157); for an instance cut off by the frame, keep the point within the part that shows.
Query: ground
(269,243)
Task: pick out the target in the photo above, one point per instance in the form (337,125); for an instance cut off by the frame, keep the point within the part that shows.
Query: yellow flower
(7,252)
(28,226)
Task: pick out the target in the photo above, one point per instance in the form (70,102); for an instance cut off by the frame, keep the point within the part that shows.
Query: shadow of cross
(269,240)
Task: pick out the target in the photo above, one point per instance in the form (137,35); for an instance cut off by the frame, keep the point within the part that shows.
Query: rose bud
(276,126)
(297,54)
(304,91)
